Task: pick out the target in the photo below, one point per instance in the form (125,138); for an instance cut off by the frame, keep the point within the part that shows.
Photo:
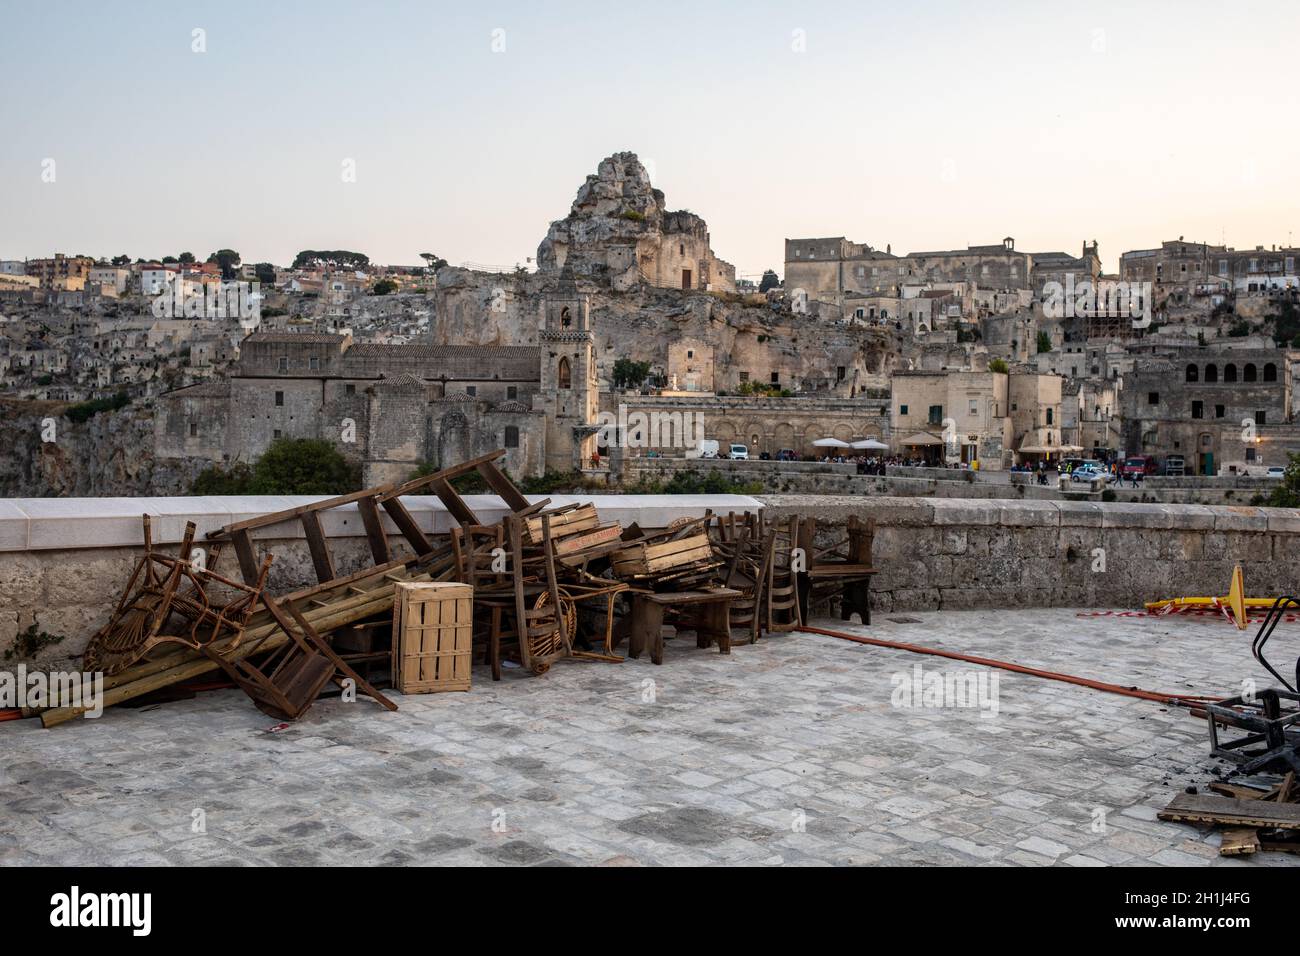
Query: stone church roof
(473,362)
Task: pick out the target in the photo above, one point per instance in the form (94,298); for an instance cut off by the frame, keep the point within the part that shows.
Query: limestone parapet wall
(949,553)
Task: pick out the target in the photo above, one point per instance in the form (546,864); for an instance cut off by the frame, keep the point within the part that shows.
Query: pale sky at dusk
(920,125)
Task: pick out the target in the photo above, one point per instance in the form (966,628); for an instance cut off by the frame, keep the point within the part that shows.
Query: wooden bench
(711,612)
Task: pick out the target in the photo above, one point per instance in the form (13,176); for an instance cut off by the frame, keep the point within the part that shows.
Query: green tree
(385,287)
(122,260)
(227,259)
(769,281)
(330,258)
(291,466)
(434,262)
(186,258)
(630,374)
(1287,494)
(1044,341)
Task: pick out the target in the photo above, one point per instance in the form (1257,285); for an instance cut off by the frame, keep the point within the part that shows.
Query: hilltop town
(988,358)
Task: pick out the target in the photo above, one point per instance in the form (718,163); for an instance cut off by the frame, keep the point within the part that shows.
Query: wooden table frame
(712,619)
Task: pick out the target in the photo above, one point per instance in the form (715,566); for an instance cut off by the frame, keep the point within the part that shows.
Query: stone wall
(935,554)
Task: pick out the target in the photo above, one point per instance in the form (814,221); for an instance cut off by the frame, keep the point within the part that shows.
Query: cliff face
(110,454)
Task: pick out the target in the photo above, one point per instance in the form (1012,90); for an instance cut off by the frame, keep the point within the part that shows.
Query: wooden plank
(1229,811)
(407,525)
(321,559)
(455,504)
(502,486)
(247,559)
(1239,841)
(373,522)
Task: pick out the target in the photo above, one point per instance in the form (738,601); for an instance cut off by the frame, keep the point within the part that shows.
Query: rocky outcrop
(110,454)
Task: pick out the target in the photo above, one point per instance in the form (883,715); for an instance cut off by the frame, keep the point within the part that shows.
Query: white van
(740,452)
(708,448)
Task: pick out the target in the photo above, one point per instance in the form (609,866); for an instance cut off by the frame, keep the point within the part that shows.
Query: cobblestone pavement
(789,751)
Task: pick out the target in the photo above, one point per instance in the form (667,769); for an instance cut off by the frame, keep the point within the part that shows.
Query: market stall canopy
(831,443)
(921,438)
(871,444)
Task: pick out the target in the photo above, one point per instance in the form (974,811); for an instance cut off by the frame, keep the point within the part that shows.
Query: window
(313,363)
(902,410)
(1250,373)
(840,372)
(1211,374)
(471,390)
(1219,411)
(936,415)
(1049,416)
(1153,398)
(349,389)
(564,375)
(284,363)
(1229,372)
(276,433)
(1260,418)
(1198,409)
(512,392)
(776,378)
(1193,374)
(1250,454)
(973,407)
(744,376)
(1270,372)
(194,429)
(690,353)
(279,399)
(512,436)
(565,319)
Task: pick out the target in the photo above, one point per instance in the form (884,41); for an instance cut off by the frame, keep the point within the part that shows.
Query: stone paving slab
(799,750)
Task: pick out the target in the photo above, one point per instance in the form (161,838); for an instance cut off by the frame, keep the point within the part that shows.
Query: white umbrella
(831,443)
(871,444)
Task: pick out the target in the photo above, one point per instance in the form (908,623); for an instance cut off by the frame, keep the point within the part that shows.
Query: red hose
(1182,700)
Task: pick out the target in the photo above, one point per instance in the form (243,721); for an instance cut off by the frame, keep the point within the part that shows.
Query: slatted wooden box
(433,627)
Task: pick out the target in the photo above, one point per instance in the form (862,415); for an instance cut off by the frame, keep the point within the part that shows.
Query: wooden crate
(433,626)
(641,558)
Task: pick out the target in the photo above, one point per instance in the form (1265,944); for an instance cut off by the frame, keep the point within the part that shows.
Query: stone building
(1200,277)
(389,407)
(965,412)
(1222,409)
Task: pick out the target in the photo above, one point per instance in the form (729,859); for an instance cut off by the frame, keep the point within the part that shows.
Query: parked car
(1277,471)
(1089,470)
(740,453)
(708,448)
(1174,466)
(787,454)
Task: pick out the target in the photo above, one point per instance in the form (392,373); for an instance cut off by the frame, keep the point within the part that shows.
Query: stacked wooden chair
(840,569)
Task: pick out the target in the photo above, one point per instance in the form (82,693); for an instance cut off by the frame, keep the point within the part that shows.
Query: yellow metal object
(1234,605)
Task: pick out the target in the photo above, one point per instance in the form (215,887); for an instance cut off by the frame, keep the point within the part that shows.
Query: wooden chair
(781,604)
(289,680)
(842,567)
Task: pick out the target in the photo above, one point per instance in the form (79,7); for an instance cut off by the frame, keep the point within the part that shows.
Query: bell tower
(569,393)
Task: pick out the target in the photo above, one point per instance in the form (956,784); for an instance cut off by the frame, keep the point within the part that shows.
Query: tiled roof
(474,362)
(300,338)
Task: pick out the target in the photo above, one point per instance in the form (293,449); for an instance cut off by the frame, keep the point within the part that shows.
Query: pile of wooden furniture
(539,585)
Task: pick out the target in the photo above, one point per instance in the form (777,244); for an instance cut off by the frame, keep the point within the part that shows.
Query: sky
(468,127)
